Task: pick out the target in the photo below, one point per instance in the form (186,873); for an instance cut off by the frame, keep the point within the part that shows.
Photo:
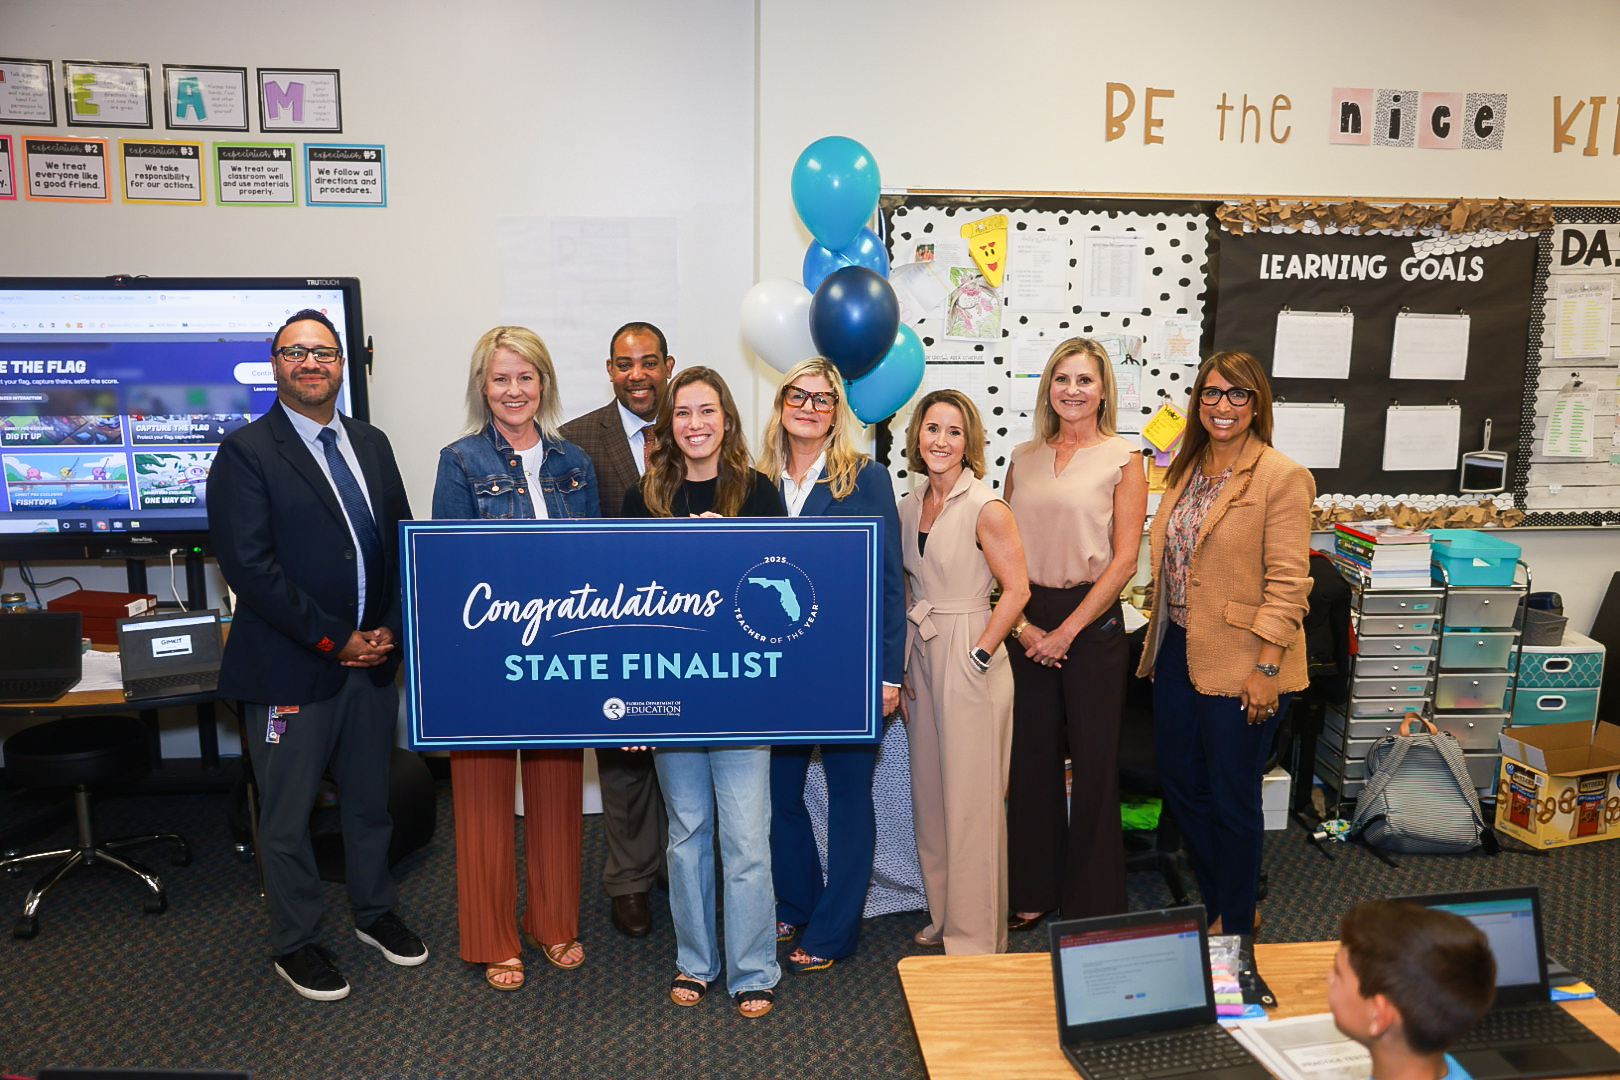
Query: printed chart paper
(1112,266)
(1311,434)
(1569,428)
(1585,308)
(1313,344)
(1421,437)
(1038,272)
(255,174)
(1429,347)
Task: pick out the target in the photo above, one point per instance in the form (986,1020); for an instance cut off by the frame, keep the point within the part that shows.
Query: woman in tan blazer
(1231,577)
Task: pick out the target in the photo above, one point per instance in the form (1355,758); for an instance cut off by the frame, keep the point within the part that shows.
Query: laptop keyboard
(1532,1026)
(34,689)
(1171,1054)
(154,685)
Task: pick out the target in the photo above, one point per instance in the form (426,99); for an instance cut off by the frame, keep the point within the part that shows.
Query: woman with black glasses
(1231,579)
(809,451)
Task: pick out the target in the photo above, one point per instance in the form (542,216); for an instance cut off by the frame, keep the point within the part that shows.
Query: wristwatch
(1270,670)
(1018,631)
(979,658)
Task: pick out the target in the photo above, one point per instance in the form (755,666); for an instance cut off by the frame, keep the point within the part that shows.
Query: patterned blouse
(1181,535)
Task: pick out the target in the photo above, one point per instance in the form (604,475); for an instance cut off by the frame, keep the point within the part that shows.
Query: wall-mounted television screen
(116,392)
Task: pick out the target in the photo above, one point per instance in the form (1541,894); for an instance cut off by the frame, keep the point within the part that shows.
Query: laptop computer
(1524,1033)
(169,655)
(1134,999)
(41,654)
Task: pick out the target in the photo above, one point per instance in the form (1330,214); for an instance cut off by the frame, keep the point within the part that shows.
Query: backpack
(1419,797)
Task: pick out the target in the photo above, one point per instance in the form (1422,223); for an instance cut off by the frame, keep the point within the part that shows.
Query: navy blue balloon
(853,319)
(867,251)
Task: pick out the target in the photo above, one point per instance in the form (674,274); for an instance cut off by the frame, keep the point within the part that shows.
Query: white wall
(487,108)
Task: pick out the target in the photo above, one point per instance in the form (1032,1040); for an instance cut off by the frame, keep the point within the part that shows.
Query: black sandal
(744,997)
(683,982)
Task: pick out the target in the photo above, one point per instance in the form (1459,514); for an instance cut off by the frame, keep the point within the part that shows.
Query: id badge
(277,726)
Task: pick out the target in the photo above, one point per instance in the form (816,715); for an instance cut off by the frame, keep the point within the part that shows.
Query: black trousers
(1071,859)
(352,734)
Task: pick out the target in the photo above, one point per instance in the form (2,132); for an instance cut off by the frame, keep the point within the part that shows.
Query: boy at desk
(1406,983)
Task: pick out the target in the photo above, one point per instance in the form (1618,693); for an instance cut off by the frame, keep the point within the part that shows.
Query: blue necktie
(354,505)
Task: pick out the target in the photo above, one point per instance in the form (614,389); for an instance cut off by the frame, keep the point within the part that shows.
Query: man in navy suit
(615,436)
(304,507)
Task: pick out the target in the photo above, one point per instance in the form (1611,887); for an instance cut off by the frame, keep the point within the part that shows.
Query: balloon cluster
(845,309)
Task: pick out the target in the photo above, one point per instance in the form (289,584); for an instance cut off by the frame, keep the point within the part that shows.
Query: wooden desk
(988,1016)
(82,702)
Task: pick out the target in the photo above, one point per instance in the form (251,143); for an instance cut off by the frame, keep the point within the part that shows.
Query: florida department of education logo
(775,601)
(613,708)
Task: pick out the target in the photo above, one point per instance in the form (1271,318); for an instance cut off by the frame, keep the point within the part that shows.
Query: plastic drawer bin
(1550,706)
(1471,557)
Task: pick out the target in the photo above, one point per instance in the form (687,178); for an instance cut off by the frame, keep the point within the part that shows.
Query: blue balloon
(867,251)
(853,319)
(835,190)
(881,392)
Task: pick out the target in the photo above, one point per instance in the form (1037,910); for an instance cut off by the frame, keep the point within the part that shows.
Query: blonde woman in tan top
(1079,495)
(958,539)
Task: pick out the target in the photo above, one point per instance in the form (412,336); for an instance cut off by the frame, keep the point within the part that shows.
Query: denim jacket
(481,476)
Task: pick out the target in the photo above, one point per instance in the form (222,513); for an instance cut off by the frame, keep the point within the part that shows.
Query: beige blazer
(1250,575)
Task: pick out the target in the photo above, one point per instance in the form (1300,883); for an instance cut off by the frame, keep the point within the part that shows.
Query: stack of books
(1382,555)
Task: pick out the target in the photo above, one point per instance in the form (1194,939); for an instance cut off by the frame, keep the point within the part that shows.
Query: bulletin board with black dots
(985,338)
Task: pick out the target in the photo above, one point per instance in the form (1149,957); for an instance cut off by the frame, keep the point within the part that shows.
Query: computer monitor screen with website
(116,392)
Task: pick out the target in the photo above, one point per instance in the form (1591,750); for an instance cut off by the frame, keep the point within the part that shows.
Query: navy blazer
(283,544)
(874,497)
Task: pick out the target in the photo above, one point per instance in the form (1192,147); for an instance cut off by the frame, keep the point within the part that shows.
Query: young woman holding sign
(700,468)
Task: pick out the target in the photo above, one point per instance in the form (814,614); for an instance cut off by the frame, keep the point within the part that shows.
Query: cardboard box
(1559,784)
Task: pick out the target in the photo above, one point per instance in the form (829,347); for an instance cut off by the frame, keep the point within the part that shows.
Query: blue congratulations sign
(630,632)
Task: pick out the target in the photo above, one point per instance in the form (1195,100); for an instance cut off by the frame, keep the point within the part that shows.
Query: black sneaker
(313,973)
(394,938)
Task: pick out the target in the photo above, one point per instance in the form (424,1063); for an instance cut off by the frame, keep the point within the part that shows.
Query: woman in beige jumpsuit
(959,539)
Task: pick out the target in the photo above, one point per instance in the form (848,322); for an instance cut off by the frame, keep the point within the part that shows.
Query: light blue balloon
(835,190)
(867,251)
(881,392)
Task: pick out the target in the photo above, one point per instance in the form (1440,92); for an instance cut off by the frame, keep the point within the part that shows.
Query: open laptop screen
(1114,970)
(1511,921)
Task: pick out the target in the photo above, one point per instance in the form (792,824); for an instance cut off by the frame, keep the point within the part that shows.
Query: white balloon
(775,320)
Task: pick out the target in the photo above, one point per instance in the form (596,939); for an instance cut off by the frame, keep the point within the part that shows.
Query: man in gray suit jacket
(616,436)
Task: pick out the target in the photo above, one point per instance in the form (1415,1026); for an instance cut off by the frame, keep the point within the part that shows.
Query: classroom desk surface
(83,702)
(989,1016)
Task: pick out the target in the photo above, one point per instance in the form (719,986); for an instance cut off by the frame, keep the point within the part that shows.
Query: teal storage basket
(1471,557)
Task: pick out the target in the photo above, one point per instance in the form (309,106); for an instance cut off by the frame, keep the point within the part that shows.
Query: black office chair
(1156,848)
(83,752)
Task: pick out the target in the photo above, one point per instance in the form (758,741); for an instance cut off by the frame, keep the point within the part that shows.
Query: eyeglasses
(1239,396)
(821,401)
(324,354)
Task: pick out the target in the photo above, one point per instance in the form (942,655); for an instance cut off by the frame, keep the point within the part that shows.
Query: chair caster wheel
(244,853)
(25,927)
(156,905)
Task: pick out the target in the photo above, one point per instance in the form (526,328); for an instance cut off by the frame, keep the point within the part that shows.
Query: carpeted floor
(104,984)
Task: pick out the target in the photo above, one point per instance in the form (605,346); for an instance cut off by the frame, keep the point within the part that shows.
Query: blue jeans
(830,912)
(731,785)
(1210,761)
